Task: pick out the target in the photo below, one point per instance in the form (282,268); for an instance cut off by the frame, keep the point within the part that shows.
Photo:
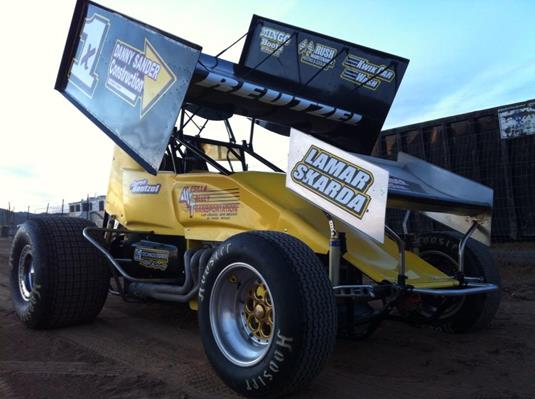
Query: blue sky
(464,56)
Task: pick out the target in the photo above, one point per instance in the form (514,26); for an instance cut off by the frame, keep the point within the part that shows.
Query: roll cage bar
(193,143)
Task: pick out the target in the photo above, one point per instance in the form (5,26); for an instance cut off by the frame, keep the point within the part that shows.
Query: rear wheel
(57,278)
(459,314)
(267,314)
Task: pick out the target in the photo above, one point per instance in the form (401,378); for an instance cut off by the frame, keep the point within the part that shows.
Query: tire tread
(320,307)
(78,279)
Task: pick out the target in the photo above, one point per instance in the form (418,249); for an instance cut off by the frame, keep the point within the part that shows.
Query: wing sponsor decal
(266,95)
(210,203)
(338,181)
(138,75)
(399,184)
(360,71)
(317,54)
(83,69)
(273,41)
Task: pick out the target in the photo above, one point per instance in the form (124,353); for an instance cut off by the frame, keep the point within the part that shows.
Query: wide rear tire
(267,314)
(57,278)
(468,313)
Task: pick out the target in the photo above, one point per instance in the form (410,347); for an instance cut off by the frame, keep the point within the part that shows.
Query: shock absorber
(335,252)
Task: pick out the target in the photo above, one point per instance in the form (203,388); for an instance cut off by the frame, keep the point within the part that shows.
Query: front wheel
(267,314)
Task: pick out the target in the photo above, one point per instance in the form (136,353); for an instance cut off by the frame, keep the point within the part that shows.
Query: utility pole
(10,213)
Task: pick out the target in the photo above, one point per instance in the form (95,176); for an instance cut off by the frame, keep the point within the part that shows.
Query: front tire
(57,278)
(267,314)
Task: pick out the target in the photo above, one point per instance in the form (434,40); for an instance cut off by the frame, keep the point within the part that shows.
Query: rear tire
(57,278)
(287,350)
(472,312)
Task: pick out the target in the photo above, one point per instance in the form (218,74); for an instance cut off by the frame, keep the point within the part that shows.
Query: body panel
(212,207)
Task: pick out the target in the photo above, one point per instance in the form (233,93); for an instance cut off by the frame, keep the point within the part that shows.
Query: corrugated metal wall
(471,145)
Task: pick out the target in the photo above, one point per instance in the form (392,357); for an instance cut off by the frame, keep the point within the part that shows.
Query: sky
(464,56)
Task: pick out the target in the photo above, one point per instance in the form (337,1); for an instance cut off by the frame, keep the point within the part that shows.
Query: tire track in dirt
(191,374)
(63,368)
(5,390)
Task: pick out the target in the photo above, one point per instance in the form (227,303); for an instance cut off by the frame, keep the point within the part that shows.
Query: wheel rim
(26,274)
(242,314)
(449,266)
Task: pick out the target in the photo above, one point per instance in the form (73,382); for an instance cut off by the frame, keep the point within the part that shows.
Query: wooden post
(474,132)
(446,145)
(10,213)
(509,193)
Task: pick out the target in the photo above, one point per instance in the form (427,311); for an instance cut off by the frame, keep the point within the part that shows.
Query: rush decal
(211,204)
(317,54)
(335,179)
(83,69)
(135,74)
(255,92)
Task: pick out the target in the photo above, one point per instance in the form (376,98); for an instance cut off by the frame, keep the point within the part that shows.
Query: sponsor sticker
(342,184)
(152,258)
(273,41)
(336,180)
(83,73)
(143,187)
(396,183)
(135,74)
(277,98)
(210,203)
(317,54)
(360,71)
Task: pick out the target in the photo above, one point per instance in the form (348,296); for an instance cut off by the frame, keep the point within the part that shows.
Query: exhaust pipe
(194,267)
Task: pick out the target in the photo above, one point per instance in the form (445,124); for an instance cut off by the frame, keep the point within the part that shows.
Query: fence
(495,147)
(91,208)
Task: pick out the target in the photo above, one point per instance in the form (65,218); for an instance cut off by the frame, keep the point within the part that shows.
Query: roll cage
(185,153)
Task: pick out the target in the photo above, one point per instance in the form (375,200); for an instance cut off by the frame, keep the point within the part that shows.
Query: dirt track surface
(154,351)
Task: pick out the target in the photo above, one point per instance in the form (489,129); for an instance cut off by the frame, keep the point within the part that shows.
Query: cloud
(18,171)
(488,87)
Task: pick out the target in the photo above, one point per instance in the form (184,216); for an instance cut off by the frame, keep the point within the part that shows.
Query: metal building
(495,147)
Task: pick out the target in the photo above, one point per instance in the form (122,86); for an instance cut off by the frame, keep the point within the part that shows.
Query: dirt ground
(154,350)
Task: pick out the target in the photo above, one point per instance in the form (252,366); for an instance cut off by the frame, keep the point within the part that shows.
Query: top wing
(132,79)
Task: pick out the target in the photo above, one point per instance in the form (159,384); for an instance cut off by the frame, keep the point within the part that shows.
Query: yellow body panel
(212,207)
